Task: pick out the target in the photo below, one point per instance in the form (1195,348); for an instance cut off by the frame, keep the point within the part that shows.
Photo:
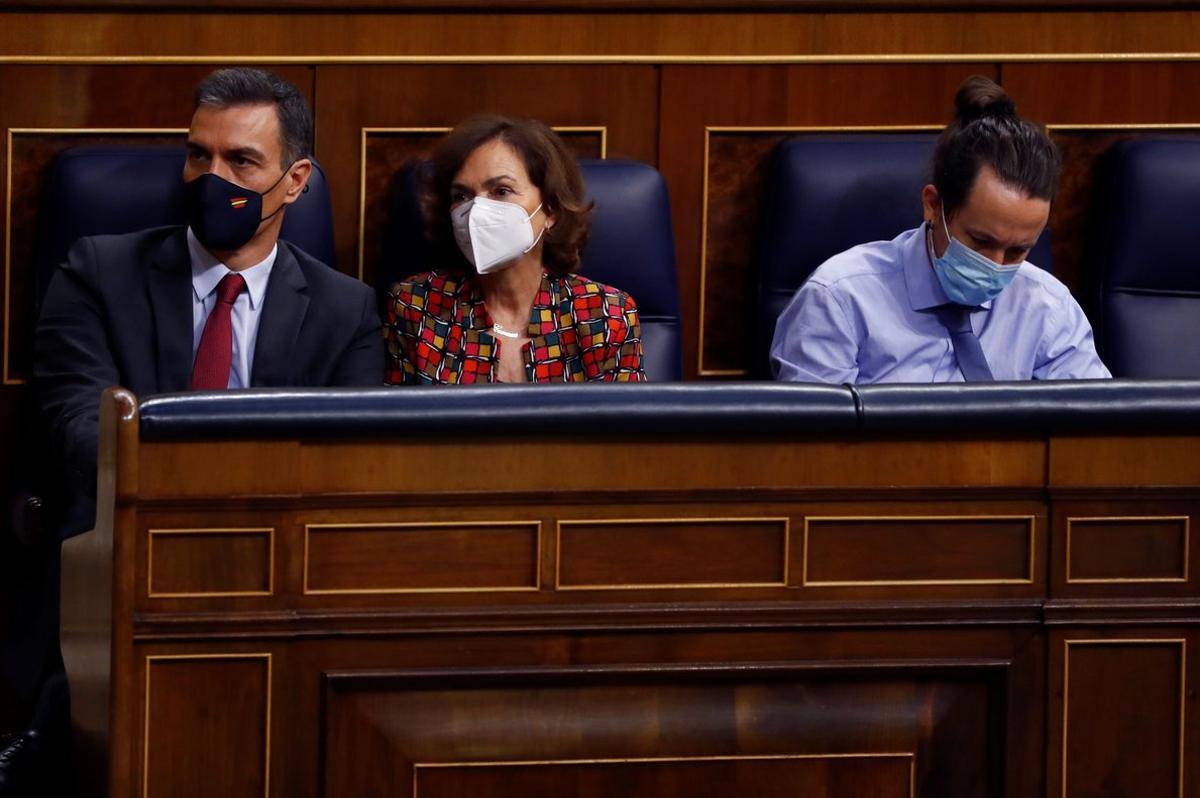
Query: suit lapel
(283,312)
(170,282)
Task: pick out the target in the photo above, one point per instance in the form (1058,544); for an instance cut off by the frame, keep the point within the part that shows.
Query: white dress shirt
(207,271)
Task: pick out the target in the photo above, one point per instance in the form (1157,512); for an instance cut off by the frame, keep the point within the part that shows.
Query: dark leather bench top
(756,409)
(762,409)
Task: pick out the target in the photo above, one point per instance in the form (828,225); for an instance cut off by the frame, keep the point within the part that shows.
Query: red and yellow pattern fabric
(438,331)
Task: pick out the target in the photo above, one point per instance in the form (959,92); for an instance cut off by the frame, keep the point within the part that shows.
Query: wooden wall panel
(210,562)
(717,294)
(1108,739)
(719,33)
(620,99)
(421,557)
(610,553)
(1125,548)
(207,727)
(669,727)
(864,551)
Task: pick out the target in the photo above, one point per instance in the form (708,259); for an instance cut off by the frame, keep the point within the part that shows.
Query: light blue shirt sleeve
(1068,351)
(815,340)
(869,315)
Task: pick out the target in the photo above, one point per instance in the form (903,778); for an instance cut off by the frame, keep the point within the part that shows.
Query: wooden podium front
(694,614)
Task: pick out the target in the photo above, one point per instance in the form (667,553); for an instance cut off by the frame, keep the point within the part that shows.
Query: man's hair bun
(980,97)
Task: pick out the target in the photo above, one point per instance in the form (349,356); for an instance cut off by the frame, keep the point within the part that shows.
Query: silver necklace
(499,330)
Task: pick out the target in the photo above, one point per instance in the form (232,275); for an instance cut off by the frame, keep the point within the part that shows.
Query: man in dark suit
(135,310)
(218,303)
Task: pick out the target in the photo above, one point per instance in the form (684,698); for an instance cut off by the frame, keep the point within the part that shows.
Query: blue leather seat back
(631,247)
(109,190)
(1149,277)
(826,194)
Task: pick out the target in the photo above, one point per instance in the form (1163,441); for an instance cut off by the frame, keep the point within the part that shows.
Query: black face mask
(223,215)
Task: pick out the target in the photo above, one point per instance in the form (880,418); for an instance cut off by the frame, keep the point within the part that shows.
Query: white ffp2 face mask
(492,234)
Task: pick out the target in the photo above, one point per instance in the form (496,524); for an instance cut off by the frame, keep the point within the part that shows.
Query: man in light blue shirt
(954,299)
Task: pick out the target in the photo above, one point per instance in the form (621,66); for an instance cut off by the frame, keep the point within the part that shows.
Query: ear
(931,204)
(297,180)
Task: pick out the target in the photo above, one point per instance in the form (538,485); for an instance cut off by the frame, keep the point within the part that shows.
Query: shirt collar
(207,271)
(924,290)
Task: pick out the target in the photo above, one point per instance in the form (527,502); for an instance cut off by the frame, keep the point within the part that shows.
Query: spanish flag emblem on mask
(237,202)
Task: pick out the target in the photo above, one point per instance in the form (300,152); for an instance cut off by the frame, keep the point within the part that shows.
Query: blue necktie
(972,363)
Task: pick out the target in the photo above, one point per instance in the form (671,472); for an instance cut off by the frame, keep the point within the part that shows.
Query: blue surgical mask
(967,277)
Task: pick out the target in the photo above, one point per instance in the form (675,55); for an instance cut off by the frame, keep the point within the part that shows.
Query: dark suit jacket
(119,312)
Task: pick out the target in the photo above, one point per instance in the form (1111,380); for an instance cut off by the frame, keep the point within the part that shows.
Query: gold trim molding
(153,658)
(606,58)
(558,585)
(1187,537)
(1032,547)
(370,526)
(269,531)
(5,379)
(413,131)
(1141,641)
(909,755)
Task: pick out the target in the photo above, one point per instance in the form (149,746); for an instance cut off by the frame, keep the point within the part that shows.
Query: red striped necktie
(214,357)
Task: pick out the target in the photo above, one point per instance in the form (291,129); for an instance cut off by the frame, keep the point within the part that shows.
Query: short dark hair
(986,131)
(234,86)
(551,167)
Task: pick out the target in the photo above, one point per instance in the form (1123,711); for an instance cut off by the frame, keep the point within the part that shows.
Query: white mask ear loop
(540,232)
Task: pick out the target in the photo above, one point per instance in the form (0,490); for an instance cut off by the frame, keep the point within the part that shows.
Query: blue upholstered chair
(825,194)
(1147,243)
(631,247)
(98,190)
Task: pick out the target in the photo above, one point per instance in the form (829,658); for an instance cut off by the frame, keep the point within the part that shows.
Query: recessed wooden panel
(665,731)
(1147,549)
(690,552)
(209,562)
(1099,461)
(879,776)
(388,154)
(918,551)
(401,558)
(207,728)
(1123,715)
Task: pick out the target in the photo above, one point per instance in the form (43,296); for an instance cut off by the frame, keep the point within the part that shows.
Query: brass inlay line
(1187,536)
(621,58)
(1139,641)
(558,585)
(534,526)
(1032,546)
(152,658)
(5,379)
(362,167)
(255,531)
(909,755)
(704,170)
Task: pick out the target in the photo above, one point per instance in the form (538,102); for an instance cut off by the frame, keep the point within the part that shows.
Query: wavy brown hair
(551,167)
